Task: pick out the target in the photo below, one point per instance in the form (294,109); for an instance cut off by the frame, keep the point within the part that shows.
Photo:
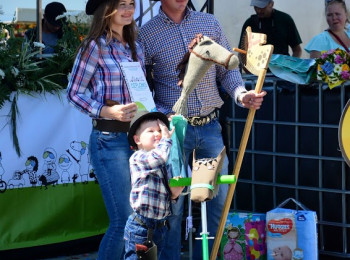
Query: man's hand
(195,41)
(251,99)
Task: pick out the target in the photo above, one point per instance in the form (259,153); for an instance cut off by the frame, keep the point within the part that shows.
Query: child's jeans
(136,233)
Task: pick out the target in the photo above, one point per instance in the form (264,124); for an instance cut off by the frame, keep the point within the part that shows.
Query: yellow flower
(338,51)
(345,67)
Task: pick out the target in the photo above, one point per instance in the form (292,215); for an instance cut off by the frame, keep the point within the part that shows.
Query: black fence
(293,151)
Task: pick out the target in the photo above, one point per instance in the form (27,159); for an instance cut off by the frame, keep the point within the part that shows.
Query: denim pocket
(133,234)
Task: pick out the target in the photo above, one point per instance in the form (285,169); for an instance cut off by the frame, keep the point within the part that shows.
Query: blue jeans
(208,142)
(110,155)
(136,233)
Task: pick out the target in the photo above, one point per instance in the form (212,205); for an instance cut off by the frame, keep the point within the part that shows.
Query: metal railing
(293,151)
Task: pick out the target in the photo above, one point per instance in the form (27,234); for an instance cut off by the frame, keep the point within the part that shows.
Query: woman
(97,88)
(336,36)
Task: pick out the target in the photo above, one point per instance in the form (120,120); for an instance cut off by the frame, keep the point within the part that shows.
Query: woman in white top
(337,35)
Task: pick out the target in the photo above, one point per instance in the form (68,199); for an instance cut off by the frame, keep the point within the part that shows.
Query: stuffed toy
(203,52)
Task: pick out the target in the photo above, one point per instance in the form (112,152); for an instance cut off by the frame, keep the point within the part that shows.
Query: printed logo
(282,226)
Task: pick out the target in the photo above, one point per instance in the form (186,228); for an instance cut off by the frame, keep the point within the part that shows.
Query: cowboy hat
(141,117)
(92,5)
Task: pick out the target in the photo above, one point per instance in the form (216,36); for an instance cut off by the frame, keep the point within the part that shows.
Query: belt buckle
(94,122)
(197,121)
(193,119)
(200,121)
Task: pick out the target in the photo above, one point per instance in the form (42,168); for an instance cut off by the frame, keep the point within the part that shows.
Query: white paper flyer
(137,85)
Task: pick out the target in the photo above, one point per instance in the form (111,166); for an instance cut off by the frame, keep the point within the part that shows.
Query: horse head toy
(203,52)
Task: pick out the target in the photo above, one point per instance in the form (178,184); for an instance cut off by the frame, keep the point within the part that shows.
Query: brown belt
(110,125)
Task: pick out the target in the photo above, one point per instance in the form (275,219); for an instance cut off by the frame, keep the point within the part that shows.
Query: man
(279,28)
(165,39)
(51,27)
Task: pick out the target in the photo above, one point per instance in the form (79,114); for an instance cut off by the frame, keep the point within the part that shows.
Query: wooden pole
(39,16)
(236,169)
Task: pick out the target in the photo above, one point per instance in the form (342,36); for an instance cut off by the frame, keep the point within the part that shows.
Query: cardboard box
(244,237)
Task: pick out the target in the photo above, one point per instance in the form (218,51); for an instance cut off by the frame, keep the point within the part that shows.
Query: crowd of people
(134,184)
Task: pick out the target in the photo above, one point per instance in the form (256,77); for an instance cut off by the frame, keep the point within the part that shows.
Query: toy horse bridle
(195,41)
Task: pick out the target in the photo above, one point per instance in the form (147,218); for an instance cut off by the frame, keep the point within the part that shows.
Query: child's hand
(164,129)
(176,191)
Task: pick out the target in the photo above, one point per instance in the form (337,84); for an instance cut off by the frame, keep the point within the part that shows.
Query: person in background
(278,26)
(51,27)
(336,36)
(150,196)
(165,39)
(97,88)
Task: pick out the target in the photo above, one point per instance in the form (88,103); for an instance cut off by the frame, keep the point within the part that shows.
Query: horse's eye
(208,53)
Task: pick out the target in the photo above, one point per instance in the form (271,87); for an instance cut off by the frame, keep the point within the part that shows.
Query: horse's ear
(204,40)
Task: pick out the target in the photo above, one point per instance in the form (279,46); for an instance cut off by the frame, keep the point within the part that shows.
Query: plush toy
(203,52)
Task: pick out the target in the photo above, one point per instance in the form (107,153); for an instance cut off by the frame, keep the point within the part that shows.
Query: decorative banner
(52,185)
(344,133)
(50,193)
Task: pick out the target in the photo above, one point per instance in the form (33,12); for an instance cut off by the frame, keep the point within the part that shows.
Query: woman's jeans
(136,233)
(208,142)
(110,153)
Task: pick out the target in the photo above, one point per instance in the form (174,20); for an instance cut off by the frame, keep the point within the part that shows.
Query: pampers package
(291,234)
(244,237)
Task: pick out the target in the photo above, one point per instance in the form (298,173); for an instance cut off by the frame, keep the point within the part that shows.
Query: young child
(150,196)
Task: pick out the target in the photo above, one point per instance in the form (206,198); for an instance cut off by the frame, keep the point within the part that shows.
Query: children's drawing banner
(49,194)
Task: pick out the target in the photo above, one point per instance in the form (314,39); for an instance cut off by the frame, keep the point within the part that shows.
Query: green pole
(205,246)
(222,179)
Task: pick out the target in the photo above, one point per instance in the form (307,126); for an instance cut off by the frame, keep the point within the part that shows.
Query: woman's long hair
(101,24)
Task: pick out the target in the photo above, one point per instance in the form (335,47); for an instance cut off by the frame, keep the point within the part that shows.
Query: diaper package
(291,234)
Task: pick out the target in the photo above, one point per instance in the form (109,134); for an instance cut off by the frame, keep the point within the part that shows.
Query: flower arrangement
(333,67)
(23,70)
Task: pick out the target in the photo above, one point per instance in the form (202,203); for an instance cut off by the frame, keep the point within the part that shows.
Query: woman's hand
(123,113)
(251,99)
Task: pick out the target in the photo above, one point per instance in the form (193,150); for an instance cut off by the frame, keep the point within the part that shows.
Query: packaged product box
(291,234)
(244,237)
